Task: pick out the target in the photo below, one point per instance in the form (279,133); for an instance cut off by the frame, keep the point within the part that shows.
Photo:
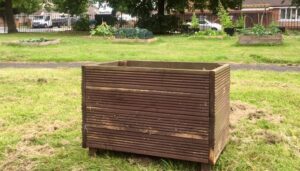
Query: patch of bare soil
(241,110)
(22,157)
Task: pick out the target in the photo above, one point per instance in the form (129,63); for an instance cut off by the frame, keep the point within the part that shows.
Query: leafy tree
(143,8)
(71,6)
(195,22)
(295,2)
(224,17)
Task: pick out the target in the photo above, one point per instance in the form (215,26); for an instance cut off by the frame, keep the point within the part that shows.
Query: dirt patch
(271,137)
(241,110)
(42,80)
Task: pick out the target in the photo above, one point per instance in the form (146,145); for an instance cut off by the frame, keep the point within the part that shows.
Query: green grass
(79,47)
(40,125)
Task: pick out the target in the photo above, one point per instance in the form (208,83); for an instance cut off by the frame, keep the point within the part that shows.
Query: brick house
(267,11)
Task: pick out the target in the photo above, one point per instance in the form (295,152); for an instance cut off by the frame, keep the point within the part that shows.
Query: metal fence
(40,23)
(55,22)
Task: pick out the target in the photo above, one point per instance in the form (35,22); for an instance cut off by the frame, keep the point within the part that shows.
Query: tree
(143,8)
(224,17)
(296,2)
(73,7)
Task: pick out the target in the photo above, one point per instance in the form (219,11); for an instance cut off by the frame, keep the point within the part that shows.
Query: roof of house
(266,3)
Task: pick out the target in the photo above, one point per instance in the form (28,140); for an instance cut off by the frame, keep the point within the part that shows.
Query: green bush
(133,33)
(39,40)
(160,24)
(209,32)
(224,17)
(83,24)
(103,30)
(195,22)
(274,29)
(260,30)
(240,23)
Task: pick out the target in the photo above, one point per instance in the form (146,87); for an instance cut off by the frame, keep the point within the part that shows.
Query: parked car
(204,24)
(42,21)
(48,21)
(60,21)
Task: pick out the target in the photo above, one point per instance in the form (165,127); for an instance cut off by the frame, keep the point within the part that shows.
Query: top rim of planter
(160,66)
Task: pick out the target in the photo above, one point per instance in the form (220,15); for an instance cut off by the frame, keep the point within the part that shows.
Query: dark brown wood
(83,89)
(166,109)
(9,17)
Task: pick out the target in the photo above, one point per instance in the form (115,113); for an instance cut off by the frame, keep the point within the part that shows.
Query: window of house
(290,14)
(283,13)
(293,13)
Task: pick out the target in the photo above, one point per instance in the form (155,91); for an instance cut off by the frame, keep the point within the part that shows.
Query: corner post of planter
(83,105)
(212,77)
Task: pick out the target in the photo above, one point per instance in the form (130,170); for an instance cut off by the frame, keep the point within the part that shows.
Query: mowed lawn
(40,122)
(80,47)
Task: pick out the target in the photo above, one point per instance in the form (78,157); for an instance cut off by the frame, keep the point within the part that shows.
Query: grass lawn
(170,48)
(40,115)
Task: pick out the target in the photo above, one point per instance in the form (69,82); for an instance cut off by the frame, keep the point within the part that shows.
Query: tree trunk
(10,19)
(161,7)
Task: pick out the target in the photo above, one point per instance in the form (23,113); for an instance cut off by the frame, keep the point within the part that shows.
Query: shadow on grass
(262,59)
(146,161)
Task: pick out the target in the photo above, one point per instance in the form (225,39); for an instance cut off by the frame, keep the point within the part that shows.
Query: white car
(205,24)
(42,21)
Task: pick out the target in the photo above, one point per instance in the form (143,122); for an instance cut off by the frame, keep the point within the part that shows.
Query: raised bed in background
(165,109)
(261,40)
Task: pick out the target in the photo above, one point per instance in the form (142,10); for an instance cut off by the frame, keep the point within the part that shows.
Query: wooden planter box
(166,109)
(258,40)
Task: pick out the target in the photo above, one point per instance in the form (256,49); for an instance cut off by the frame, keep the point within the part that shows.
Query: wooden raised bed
(165,109)
(260,40)
(21,43)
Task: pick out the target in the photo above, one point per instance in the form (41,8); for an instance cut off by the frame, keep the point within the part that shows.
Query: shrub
(103,30)
(83,24)
(240,23)
(260,30)
(160,24)
(39,40)
(133,33)
(195,22)
(209,32)
(274,29)
(224,17)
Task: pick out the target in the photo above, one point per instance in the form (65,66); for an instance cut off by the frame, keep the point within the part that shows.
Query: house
(265,12)
(280,12)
